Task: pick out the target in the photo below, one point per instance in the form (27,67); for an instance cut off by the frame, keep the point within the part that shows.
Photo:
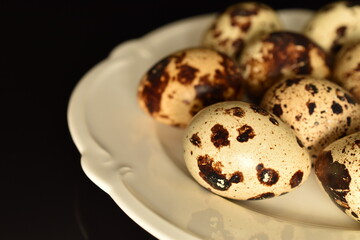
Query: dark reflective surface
(45,49)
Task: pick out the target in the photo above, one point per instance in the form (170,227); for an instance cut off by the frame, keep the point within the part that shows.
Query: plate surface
(139,162)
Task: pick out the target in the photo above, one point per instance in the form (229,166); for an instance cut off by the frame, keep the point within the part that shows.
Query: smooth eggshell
(334,25)
(337,169)
(240,151)
(240,24)
(318,110)
(347,69)
(184,82)
(278,55)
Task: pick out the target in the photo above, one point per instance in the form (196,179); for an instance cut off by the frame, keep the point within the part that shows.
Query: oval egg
(240,151)
(278,55)
(239,24)
(318,110)
(184,82)
(337,169)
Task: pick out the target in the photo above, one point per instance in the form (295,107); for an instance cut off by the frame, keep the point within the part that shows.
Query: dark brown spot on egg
(336,108)
(263,196)
(340,33)
(219,136)
(350,99)
(245,26)
(354,214)
(357,142)
(186,74)
(235,111)
(348,121)
(277,110)
(334,178)
(236,177)
(274,121)
(211,172)
(195,140)
(179,58)
(259,110)
(311,88)
(266,176)
(340,95)
(246,132)
(296,179)
(154,85)
(238,45)
(292,81)
(298,117)
(299,142)
(311,107)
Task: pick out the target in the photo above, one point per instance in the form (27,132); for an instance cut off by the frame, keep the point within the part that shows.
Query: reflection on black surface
(98,216)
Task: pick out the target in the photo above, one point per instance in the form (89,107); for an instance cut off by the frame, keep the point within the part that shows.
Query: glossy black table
(45,49)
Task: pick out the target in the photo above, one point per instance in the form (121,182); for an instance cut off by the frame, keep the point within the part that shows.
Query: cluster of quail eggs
(260,105)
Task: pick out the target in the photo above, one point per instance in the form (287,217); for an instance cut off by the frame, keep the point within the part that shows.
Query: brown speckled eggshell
(334,25)
(240,151)
(338,169)
(347,69)
(239,24)
(181,84)
(318,110)
(278,55)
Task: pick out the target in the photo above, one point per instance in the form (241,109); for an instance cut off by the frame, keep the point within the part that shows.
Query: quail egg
(239,24)
(337,169)
(178,86)
(240,151)
(335,24)
(278,55)
(318,110)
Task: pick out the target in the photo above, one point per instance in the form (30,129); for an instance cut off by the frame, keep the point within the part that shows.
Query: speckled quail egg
(337,169)
(184,82)
(335,24)
(318,110)
(278,55)
(239,24)
(240,151)
(346,70)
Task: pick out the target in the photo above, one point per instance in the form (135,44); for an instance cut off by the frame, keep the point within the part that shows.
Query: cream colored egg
(347,69)
(240,24)
(278,55)
(240,151)
(318,110)
(337,169)
(184,82)
(334,25)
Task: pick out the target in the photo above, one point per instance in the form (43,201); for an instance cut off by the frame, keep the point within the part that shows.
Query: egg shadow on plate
(170,138)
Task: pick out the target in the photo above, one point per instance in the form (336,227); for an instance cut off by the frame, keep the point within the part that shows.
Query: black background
(45,49)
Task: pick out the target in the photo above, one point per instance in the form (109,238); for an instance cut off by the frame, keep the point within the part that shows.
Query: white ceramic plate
(139,162)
